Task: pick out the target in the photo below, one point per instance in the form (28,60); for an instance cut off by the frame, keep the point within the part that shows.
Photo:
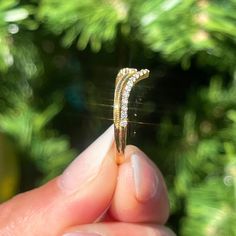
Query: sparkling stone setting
(126,94)
(125,80)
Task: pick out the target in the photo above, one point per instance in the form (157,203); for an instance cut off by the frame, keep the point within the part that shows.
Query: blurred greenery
(58,61)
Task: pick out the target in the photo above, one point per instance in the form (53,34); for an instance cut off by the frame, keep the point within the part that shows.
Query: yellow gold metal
(125,80)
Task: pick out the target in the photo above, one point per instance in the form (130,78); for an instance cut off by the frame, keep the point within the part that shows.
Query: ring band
(125,80)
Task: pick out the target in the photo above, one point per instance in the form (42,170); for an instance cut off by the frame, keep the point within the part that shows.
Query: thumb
(80,195)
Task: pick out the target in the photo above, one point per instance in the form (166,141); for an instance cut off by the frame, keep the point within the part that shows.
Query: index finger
(76,197)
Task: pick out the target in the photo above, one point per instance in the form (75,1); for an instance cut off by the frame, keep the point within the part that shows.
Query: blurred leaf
(91,21)
(7,4)
(206,158)
(16,15)
(10,12)
(209,211)
(27,127)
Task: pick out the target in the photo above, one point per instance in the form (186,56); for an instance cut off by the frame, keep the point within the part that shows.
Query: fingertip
(141,194)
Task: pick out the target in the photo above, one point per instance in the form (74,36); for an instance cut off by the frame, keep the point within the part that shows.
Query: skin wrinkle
(15,226)
(7,231)
(21,222)
(103,214)
(7,213)
(31,215)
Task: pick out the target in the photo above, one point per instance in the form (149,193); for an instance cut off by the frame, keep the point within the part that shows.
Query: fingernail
(145,177)
(81,234)
(88,164)
(166,231)
(169,233)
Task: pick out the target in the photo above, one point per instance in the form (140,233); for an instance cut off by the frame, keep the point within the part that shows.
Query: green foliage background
(58,61)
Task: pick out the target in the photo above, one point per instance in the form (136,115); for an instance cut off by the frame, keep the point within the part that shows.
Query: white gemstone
(130,83)
(128,88)
(125,95)
(123,123)
(123,115)
(124,107)
(125,101)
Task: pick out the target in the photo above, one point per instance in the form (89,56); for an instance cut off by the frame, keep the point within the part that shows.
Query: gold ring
(125,80)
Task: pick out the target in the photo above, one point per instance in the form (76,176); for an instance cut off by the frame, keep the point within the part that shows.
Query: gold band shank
(125,79)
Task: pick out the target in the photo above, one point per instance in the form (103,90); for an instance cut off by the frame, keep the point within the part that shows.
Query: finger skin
(121,229)
(125,205)
(48,210)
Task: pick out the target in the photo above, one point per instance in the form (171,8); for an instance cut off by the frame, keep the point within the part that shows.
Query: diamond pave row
(124,71)
(126,94)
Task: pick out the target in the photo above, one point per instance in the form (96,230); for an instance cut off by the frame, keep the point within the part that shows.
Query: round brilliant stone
(125,95)
(125,101)
(128,88)
(123,115)
(123,123)
(130,83)
(124,107)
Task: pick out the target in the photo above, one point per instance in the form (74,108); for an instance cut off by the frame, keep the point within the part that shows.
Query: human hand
(93,197)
